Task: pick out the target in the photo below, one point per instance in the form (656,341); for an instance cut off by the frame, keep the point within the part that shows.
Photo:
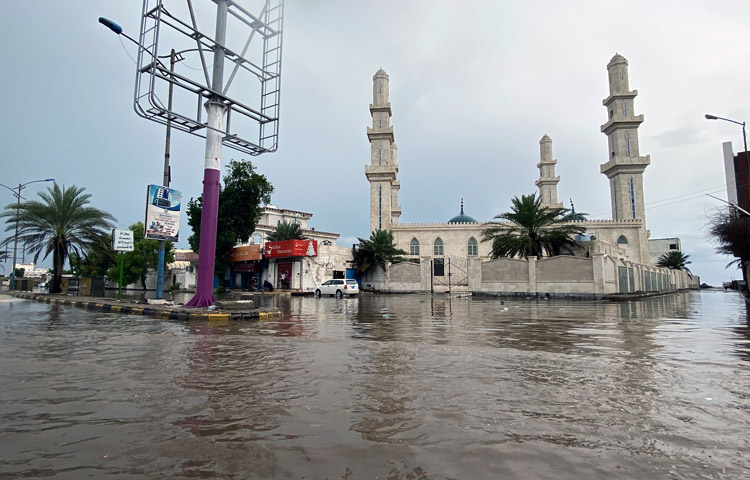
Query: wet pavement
(389,387)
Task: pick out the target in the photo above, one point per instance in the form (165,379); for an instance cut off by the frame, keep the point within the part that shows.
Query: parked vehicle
(338,287)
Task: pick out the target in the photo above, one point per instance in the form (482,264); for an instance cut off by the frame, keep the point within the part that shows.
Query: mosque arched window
(437,247)
(257,239)
(414,247)
(472,247)
(627,142)
(622,240)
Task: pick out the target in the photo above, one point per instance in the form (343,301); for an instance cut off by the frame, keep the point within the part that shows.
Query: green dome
(462,217)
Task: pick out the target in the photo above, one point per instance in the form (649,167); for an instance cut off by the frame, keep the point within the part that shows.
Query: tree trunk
(58,259)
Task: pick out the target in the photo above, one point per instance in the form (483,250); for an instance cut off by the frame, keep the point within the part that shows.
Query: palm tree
(676,260)
(285,231)
(530,229)
(59,224)
(731,230)
(377,251)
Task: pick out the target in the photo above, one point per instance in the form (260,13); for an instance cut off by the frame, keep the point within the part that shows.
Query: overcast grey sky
(474,86)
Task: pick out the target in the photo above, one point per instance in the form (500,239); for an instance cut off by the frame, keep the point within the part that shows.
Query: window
(632,197)
(622,240)
(673,246)
(380,155)
(614,198)
(438,247)
(625,109)
(414,247)
(257,239)
(472,247)
(627,142)
(611,114)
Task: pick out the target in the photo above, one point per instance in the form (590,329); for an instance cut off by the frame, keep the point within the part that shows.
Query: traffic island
(221,311)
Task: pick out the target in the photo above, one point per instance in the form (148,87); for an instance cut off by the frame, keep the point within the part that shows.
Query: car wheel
(339,294)
(317,293)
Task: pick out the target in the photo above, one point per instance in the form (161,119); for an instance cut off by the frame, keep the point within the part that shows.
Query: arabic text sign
(163,213)
(122,240)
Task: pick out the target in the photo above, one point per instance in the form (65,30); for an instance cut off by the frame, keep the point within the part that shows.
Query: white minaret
(625,165)
(383,167)
(547,182)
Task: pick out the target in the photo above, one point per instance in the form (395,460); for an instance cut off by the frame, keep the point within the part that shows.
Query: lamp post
(747,173)
(174,57)
(17,193)
(744,137)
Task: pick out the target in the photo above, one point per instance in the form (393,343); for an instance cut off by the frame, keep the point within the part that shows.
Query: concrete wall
(564,276)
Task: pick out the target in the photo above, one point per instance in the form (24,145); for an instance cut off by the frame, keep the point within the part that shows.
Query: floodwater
(382,387)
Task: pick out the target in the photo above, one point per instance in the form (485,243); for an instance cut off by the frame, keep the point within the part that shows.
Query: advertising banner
(244,254)
(163,206)
(291,248)
(122,240)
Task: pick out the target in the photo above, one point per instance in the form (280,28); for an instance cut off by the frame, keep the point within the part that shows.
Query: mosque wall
(561,276)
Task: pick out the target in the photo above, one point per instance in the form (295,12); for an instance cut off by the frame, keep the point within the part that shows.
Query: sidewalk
(165,312)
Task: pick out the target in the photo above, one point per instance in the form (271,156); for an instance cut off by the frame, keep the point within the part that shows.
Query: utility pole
(215,108)
(167,178)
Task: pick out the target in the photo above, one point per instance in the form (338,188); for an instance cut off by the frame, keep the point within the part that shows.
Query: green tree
(377,251)
(285,231)
(530,229)
(676,260)
(731,229)
(97,261)
(59,224)
(240,203)
(145,256)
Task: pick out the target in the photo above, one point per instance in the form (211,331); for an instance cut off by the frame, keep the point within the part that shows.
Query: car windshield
(351,282)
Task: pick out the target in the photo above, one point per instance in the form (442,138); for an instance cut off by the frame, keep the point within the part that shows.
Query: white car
(338,287)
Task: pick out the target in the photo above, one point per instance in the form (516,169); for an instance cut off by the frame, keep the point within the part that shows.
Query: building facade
(457,246)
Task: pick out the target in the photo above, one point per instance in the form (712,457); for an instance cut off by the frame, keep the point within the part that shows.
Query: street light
(174,57)
(17,194)
(744,137)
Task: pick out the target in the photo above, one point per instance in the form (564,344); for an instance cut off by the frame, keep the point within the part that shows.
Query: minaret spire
(547,182)
(383,167)
(625,165)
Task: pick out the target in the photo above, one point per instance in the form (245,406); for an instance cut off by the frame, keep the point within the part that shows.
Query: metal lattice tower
(174,24)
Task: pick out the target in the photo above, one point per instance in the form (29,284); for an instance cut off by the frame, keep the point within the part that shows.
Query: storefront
(285,262)
(245,267)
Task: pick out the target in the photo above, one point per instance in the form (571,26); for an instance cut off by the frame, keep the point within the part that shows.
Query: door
(284,275)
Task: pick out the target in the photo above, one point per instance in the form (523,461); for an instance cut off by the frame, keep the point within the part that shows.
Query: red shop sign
(291,248)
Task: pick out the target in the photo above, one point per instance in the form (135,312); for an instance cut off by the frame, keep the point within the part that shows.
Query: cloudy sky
(474,86)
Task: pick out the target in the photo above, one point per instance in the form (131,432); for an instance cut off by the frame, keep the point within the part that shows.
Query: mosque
(613,255)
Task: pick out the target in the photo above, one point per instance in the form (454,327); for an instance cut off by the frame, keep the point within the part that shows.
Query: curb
(160,312)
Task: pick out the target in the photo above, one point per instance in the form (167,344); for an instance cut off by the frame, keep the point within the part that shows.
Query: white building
(660,246)
(452,249)
(294,272)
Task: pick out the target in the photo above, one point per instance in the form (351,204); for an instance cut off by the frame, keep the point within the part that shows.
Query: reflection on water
(394,387)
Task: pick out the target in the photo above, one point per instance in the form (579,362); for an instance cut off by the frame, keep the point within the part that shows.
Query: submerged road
(389,387)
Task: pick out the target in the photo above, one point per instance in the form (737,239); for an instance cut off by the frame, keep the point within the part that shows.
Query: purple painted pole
(204,294)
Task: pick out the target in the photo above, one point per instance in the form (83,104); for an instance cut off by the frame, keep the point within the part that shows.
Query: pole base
(201,301)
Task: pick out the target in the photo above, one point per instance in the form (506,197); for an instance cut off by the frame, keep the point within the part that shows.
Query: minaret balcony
(380,134)
(620,96)
(622,122)
(548,162)
(547,181)
(385,107)
(625,165)
(381,173)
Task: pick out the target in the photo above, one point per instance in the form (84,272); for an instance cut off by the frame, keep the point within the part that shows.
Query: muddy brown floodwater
(382,387)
